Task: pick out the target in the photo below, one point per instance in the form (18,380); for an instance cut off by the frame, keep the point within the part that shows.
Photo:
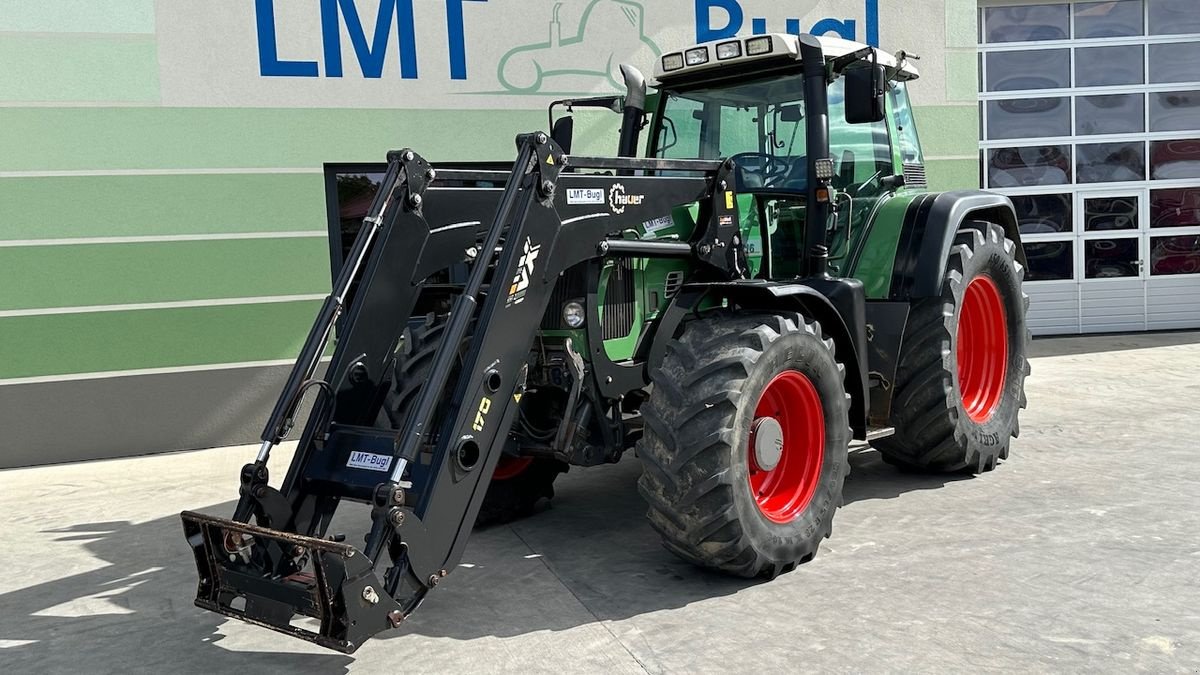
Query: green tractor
(771,282)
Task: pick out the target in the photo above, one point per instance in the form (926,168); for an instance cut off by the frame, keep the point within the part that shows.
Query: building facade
(169,202)
(1090,121)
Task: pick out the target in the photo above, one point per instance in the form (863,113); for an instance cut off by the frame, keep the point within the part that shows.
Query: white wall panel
(1053,307)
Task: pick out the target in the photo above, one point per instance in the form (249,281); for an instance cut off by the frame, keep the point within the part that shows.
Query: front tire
(963,361)
(518,483)
(745,445)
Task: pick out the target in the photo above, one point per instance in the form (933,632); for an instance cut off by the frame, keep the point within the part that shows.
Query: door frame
(1140,234)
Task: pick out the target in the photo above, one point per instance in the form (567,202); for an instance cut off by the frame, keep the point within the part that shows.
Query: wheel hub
(786,448)
(510,467)
(982,349)
(767,443)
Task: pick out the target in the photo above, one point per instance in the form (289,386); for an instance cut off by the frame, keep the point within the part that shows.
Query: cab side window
(906,126)
(680,138)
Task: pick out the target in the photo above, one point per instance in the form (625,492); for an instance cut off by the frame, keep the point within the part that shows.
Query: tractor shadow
(133,612)
(589,557)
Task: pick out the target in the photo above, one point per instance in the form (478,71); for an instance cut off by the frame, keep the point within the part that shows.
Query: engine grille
(673,282)
(618,301)
(914,175)
(619,304)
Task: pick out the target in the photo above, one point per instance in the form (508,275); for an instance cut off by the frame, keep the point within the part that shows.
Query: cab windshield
(759,124)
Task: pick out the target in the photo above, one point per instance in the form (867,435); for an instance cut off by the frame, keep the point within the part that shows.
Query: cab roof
(687,63)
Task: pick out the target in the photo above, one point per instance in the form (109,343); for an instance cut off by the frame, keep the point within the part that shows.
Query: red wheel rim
(783,492)
(511,467)
(982,345)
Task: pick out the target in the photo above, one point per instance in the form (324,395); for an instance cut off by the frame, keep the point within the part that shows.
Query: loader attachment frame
(334,584)
(426,480)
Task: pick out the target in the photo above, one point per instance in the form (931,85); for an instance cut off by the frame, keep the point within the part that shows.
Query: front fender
(930,225)
(838,304)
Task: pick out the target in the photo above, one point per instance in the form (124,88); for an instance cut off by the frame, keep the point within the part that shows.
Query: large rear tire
(745,445)
(518,483)
(963,361)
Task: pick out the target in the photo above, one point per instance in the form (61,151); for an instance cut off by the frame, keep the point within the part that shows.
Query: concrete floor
(1081,553)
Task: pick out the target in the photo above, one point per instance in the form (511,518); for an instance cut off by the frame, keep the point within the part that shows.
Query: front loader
(768,284)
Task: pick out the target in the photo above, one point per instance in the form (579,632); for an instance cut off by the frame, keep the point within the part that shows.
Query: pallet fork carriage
(535,235)
(772,281)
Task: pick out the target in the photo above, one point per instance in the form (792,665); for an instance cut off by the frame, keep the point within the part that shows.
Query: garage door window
(1175,208)
(1090,123)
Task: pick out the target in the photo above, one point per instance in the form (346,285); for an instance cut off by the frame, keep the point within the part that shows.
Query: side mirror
(865,87)
(791,113)
(563,131)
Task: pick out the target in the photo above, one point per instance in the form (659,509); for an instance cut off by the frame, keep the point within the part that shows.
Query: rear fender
(930,225)
(839,306)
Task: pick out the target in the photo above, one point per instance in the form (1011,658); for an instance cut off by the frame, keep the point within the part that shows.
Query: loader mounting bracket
(282,578)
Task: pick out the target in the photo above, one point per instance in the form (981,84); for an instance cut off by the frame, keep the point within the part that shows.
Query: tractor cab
(805,120)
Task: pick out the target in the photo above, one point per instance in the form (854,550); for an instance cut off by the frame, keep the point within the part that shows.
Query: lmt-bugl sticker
(585,196)
(368,460)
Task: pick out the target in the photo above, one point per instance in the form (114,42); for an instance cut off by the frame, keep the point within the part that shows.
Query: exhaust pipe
(634,112)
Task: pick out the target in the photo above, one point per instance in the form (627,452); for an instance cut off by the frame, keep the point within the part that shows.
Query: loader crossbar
(425,476)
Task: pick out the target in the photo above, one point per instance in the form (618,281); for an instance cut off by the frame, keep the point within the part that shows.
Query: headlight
(729,50)
(824,168)
(696,56)
(572,314)
(758,45)
(672,62)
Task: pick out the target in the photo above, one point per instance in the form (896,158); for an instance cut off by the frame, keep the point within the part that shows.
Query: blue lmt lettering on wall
(370,56)
(371,52)
(719,19)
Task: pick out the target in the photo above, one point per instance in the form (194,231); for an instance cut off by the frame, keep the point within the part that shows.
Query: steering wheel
(770,169)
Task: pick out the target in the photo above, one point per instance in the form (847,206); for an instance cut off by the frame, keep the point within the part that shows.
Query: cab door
(864,167)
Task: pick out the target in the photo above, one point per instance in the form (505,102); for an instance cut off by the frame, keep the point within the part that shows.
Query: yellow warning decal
(728,200)
(480,417)
(550,160)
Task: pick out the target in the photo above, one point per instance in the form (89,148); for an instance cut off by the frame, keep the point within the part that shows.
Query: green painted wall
(132,340)
(114,274)
(33,68)
(111,206)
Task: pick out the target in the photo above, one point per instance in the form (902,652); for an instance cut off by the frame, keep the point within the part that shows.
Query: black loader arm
(426,480)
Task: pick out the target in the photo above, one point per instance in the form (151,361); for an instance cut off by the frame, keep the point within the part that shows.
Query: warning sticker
(370,461)
(585,196)
(728,200)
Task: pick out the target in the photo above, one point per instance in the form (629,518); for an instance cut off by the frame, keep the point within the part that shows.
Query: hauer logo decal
(618,200)
(520,282)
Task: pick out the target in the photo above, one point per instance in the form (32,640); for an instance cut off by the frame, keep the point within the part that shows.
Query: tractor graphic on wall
(610,32)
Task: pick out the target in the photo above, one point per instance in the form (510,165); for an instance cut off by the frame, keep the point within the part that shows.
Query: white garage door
(1090,116)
